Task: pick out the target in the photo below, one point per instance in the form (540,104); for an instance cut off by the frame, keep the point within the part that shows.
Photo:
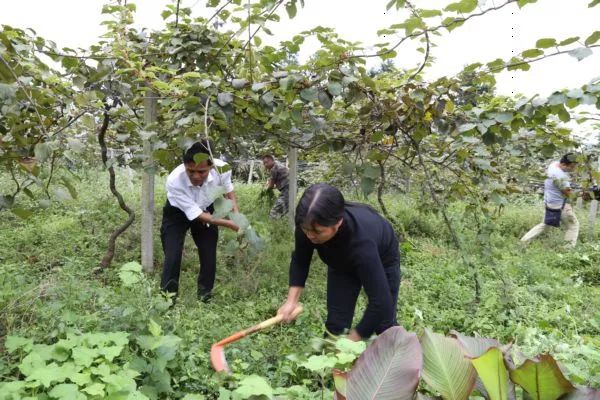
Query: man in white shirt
(557,191)
(192,188)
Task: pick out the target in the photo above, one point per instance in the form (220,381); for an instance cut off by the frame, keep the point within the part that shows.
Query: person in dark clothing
(360,249)
(278,177)
(190,195)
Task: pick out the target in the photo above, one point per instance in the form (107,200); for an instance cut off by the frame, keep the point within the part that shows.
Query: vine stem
(110,251)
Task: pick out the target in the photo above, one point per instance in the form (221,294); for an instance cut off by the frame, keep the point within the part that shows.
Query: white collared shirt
(194,200)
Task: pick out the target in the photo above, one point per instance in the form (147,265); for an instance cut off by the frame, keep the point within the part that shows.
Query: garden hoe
(217,351)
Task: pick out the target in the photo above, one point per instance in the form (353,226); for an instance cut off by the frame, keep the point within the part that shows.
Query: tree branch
(424,31)
(27,94)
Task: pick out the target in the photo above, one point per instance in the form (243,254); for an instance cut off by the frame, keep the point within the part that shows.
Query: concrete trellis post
(251,172)
(593,212)
(293,184)
(150,104)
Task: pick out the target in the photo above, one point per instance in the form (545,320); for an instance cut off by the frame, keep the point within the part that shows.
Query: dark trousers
(172,234)
(342,293)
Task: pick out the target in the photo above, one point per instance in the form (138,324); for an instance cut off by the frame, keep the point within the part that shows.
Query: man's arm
(270,184)
(206,218)
(568,192)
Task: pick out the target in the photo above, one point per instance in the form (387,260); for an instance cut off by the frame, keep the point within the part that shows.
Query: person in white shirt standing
(557,192)
(189,206)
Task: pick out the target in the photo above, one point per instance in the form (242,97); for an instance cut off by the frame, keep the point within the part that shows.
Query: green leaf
(67,391)
(389,368)
(340,381)
(268,98)
(496,65)
(14,343)
(429,13)
(95,389)
(466,127)
(346,345)
(42,152)
(492,372)
(309,94)
(222,207)
(502,117)
(320,363)
(130,273)
(474,346)
(568,41)
(239,83)
(564,115)
(240,220)
(542,379)
(12,390)
(81,379)
(324,99)
(545,43)
(532,53)
(286,83)
(215,192)
(47,375)
(523,3)
(62,194)
(7,92)
(386,54)
(84,356)
(21,212)
(516,64)
(445,367)
(334,88)
(154,328)
(452,23)
(581,53)
(200,157)
(255,241)
(224,99)
(594,3)
(291,9)
(190,396)
(593,38)
(557,98)
(464,6)
(119,383)
(254,385)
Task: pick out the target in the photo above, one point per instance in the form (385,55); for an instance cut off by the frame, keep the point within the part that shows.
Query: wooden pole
(251,172)
(593,212)
(150,105)
(592,219)
(579,203)
(293,184)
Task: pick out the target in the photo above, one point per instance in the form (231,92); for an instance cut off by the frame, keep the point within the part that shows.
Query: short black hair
(269,156)
(569,158)
(320,204)
(202,147)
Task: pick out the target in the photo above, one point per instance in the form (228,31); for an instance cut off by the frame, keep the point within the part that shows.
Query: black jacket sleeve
(301,257)
(372,276)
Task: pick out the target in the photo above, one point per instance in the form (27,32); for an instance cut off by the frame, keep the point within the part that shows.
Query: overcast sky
(76,23)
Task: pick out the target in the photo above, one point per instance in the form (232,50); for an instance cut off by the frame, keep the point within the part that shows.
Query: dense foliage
(96,328)
(448,160)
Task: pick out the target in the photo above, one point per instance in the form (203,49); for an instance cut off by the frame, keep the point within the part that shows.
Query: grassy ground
(540,297)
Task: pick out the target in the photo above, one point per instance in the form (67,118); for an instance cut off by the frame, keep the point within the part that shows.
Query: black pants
(342,293)
(172,234)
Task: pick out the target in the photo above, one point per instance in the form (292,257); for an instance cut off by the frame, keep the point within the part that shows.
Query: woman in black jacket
(360,249)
